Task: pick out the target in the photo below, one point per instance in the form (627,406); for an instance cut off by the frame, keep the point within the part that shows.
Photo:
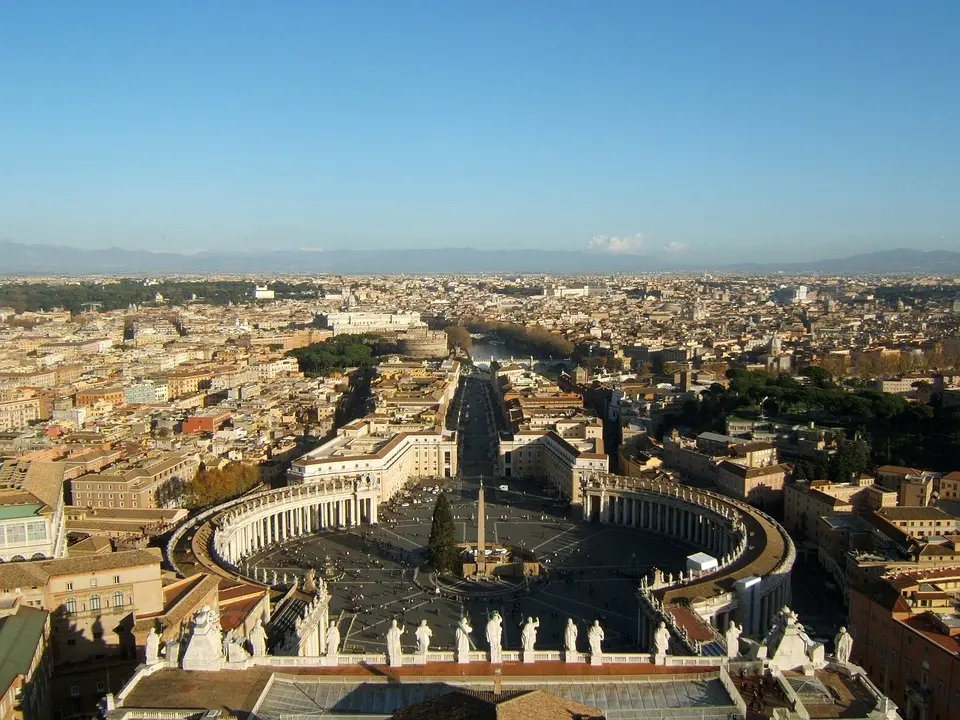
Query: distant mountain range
(19,258)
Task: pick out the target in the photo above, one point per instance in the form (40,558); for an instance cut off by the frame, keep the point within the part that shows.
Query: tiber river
(490,346)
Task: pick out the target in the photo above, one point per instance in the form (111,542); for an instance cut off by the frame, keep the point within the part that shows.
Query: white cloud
(617,245)
(674,247)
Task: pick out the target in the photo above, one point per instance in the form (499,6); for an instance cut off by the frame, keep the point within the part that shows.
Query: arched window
(118,599)
(94,602)
(71,605)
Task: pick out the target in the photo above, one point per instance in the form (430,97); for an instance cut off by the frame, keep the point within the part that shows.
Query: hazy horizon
(689,132)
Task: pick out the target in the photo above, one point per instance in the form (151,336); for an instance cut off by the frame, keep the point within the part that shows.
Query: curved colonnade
(753,552)
(280,515)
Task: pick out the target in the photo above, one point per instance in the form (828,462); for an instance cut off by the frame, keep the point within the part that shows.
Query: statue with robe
(424,633)
(463,640)
(843,646)
(570,636)
(258,639)
(661,639)
(152,649)
(732,637)
(528,637)
(333,639)
(595,637)
(495,638)
(394,649)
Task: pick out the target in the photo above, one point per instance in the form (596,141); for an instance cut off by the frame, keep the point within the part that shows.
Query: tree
(820,377)
(458,336)
(215,485)
(442,545)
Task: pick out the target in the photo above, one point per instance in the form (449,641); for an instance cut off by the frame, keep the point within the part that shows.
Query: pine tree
(442,546)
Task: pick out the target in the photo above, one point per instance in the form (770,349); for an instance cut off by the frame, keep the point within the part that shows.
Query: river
(483,349)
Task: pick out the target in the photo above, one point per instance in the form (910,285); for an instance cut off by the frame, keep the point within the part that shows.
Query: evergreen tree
(442,546)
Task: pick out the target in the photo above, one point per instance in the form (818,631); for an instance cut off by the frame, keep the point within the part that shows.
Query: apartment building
(31,510)
(907,637)
(147,392)
(548,434)
(25,664)
(918,523)
(950,486)
(20,413)
(389,454)
(92,599)
(92,396)
(760,486)
(141,487)
(404,438)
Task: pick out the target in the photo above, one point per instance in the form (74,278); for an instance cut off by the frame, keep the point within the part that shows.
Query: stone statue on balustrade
(332,640)
(570,640)
(463,640)
(423,635)
(204,650)
(495,638)
(661,640)
(595,637)
(732,638)
(528,638)
(152,649)
(394,648)
(843,646)
(258,639)
(235,651)
(227,639)
(310,581)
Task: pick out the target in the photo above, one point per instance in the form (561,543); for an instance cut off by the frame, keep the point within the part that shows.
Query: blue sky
(699,130)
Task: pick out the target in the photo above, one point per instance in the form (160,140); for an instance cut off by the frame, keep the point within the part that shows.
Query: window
(36,532)
(69,586)
(71,642)
(116,579)
(93,582)
(118,599)
(74,691)
(71,605)
(101,686)
(94,602)
(16,534)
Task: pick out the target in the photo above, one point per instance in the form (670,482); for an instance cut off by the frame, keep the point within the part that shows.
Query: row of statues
(205,644)
(528,637)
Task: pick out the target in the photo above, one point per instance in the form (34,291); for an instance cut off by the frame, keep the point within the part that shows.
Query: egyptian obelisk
(481,532)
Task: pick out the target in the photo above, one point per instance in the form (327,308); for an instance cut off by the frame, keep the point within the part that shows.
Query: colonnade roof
(766,547)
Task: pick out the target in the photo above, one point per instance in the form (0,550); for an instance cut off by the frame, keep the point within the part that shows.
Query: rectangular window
(101,686)
(116,579)
(36,532)
(69,586)
(74,691)
(16,534)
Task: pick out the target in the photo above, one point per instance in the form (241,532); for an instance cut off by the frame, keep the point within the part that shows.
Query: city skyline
(687,133)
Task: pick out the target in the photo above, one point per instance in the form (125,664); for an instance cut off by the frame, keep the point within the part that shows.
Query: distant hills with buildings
(20,258)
